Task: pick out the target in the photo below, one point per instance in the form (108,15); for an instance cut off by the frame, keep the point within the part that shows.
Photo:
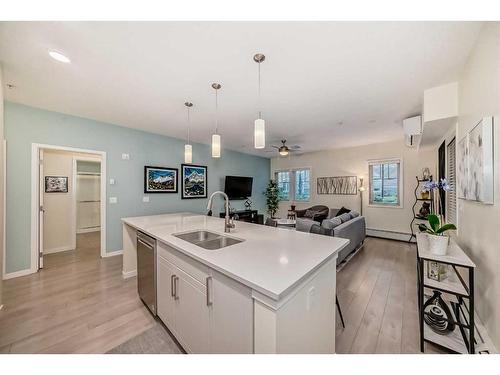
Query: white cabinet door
(192,315)
(231,328)
(164,291)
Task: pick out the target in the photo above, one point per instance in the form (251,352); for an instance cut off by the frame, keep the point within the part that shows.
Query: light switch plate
(113,200)
(111,181)
(145,199)
(125,156)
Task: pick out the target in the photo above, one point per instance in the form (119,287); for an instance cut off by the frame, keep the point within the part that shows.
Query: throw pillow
(310,214)
(330,224)
(354,214)
(342,211)
(345,217)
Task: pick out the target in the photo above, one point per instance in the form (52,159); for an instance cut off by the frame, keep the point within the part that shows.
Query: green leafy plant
(435,227)
(272,197)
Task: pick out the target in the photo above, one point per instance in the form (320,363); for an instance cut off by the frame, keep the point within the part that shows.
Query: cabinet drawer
(193,268)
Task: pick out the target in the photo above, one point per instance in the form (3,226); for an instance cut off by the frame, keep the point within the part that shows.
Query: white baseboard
(113,253)
(58,249)
(129,274)
(391,235)
(88,230)
(20,273)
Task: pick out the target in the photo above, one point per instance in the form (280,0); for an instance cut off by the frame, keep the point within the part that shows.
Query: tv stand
(249,216)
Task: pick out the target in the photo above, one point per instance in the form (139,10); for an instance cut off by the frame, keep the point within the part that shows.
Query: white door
(166,293)
(41,210)
(192,315)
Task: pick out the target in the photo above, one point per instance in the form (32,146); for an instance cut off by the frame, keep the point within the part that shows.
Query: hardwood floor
(79,303)
(378,297)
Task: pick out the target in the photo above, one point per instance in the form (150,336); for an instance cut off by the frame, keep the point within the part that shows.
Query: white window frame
(400,182)
(291,195)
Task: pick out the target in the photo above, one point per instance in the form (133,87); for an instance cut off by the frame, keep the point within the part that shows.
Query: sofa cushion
(329,224)
(342,211)
(310,214)
(354,214)
(345,217)
(332,212)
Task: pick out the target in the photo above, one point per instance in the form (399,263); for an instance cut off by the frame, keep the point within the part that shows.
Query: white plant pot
(438,244)
(423,241)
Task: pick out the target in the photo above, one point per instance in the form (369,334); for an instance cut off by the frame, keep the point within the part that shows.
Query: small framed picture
(194,181)
(56,184)
(160,180)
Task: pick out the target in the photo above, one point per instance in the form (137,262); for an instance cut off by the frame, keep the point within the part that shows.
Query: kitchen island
(273,291)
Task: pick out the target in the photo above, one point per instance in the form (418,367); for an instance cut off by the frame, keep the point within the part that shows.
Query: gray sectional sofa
(348,225)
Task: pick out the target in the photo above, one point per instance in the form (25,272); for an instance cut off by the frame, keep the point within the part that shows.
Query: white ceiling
(324,84)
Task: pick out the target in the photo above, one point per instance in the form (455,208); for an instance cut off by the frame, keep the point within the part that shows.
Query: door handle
(172,292)
(208,284)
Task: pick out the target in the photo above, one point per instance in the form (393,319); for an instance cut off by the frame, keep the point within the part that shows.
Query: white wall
(2,177)
(478,224)
(354,162)
(60,215)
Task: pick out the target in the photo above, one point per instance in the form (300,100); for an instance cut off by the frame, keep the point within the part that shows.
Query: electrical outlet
(145,199)
(125,156)
(113,200)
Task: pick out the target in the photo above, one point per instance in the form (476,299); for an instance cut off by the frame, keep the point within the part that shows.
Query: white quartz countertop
(270,260)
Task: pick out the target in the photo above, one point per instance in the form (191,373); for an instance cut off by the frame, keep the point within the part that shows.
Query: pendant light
(260,124)
(216,136)
(188,149)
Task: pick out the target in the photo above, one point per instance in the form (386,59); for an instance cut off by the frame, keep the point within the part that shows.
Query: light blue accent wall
(26,125)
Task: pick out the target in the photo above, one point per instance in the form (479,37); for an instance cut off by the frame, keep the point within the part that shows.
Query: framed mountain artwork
(160,180)
(194,181)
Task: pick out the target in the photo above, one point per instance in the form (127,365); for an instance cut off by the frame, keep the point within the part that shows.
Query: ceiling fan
(285,150)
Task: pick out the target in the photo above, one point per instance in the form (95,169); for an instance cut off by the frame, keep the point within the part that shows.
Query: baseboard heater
(389,234)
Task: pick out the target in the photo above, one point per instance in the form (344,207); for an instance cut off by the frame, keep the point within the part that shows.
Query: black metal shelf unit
(414,208)
(458,295)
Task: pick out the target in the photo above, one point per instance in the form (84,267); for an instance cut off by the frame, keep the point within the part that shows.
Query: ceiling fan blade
(294,147)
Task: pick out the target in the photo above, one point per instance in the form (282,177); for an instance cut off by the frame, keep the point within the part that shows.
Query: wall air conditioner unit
(412,127)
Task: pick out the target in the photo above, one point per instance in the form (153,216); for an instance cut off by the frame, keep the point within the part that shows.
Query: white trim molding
(19,273)
(389,234)
(129,274)
(112,253)
(35,147)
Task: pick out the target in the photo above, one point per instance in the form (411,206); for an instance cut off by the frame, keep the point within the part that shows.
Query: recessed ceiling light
(59,57)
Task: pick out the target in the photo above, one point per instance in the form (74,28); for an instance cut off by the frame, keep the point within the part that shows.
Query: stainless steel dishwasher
(146,270)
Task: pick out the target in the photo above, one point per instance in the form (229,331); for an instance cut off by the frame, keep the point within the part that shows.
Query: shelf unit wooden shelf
(457,293)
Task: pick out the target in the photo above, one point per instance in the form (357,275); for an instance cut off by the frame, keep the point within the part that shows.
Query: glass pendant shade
(188,154)
(215,145)
(260,133)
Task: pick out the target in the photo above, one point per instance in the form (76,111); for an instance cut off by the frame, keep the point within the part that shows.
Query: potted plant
(272,198)
(438,242)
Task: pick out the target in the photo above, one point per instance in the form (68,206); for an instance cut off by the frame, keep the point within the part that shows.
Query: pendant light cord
(260,113)
(216,112)
(189,123)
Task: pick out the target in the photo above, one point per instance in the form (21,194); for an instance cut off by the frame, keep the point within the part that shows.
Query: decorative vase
(438,315)
(426,173)
(438,244)
(425,195)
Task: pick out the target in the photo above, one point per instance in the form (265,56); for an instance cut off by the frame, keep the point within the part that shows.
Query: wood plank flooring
(378,297)
(79,303)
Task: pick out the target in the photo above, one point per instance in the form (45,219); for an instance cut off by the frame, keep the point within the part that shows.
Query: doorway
(68,204)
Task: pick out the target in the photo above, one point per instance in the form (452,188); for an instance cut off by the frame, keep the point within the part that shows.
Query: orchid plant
(433,185)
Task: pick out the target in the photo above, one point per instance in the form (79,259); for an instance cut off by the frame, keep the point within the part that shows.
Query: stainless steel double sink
(208,240)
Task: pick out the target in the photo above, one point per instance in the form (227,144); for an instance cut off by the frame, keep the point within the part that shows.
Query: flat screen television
(238,187)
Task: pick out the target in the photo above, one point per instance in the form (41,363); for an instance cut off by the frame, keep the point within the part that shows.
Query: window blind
(451,195)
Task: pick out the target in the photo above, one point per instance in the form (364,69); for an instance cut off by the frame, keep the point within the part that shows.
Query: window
(451,195)
(385,183)
(302,185)
(294,184)
(282,178)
